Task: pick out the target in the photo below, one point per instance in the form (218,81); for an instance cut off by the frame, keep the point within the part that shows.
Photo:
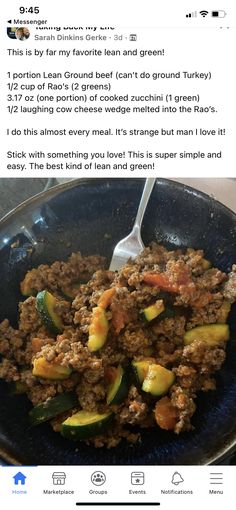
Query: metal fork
(132,245)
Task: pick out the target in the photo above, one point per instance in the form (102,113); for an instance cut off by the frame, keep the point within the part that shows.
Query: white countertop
(224,190)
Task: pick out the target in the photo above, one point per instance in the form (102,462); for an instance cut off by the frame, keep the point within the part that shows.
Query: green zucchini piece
(152,311)
(84,425)
(71,290)
(158,380)
(52,407)
(225,310)
(98,329)
(163,295)
(140,369)
(211,334)
(17,387)
(167,313)
(45,306)
(119,387)
(42,368)
(206,264)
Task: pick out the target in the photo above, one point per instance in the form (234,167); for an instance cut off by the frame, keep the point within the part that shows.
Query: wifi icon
(204,13)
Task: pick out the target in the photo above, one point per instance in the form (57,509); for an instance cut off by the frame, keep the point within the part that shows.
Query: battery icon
(218,14)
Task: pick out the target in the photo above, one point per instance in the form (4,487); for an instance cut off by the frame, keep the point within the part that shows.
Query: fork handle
(148,187)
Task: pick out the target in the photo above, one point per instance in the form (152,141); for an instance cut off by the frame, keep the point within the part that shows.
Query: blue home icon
(19,478)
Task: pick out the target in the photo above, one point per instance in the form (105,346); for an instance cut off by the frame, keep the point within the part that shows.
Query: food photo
(117,323)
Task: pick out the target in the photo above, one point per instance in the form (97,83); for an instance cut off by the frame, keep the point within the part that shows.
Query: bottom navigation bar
(114,486)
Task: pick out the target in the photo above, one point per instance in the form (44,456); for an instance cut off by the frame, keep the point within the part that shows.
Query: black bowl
(92,216)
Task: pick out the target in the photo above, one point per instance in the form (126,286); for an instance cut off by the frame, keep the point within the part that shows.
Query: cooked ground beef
(91,396)
(134,410)
(229,290)
(189,293)
(208,360)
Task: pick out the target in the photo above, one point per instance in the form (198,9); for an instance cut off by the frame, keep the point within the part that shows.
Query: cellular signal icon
(191,14)
(204,13)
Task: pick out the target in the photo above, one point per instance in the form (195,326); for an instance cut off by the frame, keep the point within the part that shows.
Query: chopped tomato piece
(203,300)
(165,414)
(110,374)
(170,283)
(37,344)
(120,318)
(106,298)
(162,281)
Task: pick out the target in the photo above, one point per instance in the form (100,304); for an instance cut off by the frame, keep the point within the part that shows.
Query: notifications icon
(177,478)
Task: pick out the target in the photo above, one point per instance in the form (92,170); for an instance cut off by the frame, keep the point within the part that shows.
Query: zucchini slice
(17,387)
(42,368)
(84,425)
(225,310)
(119,386)
(152,311)
(45,306)
(206,264)
(169,311)
(98,329)
(158,380)
(52,407)
(211,334)
(140,369)
(72,290)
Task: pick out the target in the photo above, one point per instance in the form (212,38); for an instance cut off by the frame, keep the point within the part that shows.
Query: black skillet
(92,216)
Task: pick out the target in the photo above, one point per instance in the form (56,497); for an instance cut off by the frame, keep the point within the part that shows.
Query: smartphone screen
(118,254)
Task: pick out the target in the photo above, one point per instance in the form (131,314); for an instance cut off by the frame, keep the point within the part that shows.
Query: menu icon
(216,478)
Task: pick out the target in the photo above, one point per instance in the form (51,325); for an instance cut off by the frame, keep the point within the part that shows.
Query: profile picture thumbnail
(22,33)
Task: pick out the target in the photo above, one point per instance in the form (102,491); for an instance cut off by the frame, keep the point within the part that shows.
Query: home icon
(19,478)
